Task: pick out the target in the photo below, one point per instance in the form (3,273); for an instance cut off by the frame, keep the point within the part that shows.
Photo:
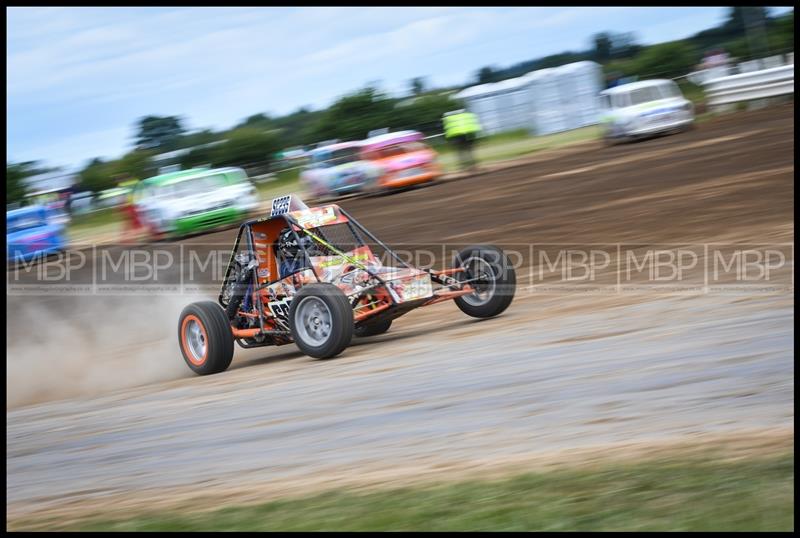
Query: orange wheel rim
(194,340)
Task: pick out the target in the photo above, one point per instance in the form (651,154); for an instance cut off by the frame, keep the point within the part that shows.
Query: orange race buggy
(341,288)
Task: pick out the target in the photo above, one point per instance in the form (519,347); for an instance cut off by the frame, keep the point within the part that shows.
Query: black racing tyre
(373,329)
(321,320)
(205,338)
(496,284)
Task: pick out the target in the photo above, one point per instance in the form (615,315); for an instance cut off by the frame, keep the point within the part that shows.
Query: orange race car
(402,159)
(315,276)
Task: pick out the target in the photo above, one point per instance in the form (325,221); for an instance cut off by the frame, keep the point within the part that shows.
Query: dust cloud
(86,346)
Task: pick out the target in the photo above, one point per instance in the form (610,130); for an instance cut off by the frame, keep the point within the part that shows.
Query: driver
(291,256)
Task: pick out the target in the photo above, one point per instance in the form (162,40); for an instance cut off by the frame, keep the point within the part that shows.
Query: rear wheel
(373,329)
(321,320)
(492,277)
(205,338)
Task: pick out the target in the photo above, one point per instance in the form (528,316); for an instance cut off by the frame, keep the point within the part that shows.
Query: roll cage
(289,221)
(386,306)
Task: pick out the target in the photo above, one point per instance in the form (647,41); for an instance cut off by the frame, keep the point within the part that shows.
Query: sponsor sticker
(417,288)
(316,217)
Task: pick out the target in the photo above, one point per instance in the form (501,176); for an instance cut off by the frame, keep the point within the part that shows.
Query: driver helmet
(288,246)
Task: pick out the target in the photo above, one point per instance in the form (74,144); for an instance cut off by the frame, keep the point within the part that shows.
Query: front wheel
(321,320)
(492,277)
(205,338)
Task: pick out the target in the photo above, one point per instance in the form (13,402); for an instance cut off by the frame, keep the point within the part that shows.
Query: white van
(644,108)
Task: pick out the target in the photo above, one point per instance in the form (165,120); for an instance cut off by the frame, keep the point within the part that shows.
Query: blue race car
(31,233)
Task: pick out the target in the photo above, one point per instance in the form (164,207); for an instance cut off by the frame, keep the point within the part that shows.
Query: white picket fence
(751,85)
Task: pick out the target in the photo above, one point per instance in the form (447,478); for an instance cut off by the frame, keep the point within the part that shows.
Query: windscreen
(24,222)
(236,176)
(400,149)
(645,95)
(196,185)
(670,89)
(345,155)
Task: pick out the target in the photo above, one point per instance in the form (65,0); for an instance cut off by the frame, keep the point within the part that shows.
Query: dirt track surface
(440,392)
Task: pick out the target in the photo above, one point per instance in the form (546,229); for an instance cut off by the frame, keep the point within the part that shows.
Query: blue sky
(79,78)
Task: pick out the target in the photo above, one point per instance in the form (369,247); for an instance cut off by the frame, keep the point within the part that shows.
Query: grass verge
(506,146)
(285,181)
(697,494)
(102,221)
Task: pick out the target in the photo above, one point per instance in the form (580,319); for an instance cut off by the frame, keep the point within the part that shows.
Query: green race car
(196,200)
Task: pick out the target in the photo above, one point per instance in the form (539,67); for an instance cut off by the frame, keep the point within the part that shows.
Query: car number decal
(280,206)
(280,309)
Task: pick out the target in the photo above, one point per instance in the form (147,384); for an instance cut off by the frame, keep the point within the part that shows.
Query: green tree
(741,17)
(555,60)
(16,173)
(160,133)
(610,46)
(198,138)
(417,85)
(258,121)
(98,175)
(245,146)
(602,47)
(623,45)
(134,164)
(754,20)
(785,23)
(198,156)
(351,117)
(486,75)
(782,34)
(667,60)
(298,127)
(423,114)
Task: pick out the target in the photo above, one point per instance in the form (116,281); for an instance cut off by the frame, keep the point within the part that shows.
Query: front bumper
(350,187)
(397,180)
(208,220)
(660,127)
